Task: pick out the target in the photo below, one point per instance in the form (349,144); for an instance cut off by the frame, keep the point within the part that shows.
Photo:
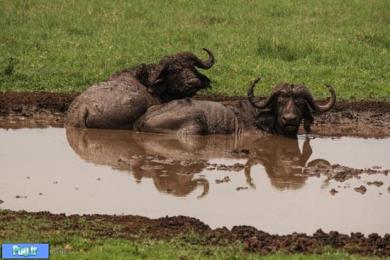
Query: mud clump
(341,173)
(333,191)
(241,188)
(361,189)
(235,167)
(224,180)
(1,201)
(223,167)
(376,183)
(20,197)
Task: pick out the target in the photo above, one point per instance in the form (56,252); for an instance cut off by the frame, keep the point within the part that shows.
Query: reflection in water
(285,200)
(173,162)
(282,160)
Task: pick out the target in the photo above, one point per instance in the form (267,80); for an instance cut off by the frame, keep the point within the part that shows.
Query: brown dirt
(352,118)
(361,189)
(133,227)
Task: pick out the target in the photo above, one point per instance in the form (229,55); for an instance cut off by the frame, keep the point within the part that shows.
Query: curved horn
(204,64)
(321,108)
(259,104)
(206,187)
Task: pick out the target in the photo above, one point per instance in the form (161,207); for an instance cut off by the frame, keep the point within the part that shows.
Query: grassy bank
(68,45)
(80,237)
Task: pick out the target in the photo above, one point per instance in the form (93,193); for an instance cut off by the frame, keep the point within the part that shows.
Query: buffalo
(281,113)
(118,102)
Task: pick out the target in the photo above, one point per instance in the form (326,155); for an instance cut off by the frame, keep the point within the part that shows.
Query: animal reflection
(175,163)
(283,161)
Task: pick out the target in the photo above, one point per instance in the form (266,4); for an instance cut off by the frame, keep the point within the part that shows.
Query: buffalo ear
(157,74)
(307,119)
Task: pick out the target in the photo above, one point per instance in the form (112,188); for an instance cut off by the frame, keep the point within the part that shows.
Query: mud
(135,227)
(341,173)
(361,189)
(355,118)
(376,183)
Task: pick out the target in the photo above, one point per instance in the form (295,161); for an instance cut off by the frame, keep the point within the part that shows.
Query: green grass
(78,248)
(68,45)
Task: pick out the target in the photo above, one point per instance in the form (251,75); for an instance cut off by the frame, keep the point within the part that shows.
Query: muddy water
(268,182)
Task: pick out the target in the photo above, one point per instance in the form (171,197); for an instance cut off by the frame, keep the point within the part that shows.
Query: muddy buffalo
(281,113)
(123,98)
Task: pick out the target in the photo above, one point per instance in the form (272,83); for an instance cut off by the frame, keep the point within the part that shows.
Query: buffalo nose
(289,117)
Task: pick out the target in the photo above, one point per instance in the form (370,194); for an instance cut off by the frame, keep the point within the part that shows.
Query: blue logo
(25,251)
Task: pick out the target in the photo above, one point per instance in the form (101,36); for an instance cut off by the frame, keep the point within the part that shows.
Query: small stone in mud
(20,197)
(333,191)
(28,177)
(376,183)
(361,189)
(40,194)
(98,179)
(225,179)
(1,201)
(241,188)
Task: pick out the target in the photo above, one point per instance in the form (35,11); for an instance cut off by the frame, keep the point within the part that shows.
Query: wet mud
(134,227)
(354,118)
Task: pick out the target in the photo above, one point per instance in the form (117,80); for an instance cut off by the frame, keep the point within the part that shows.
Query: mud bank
(348,118)
(136,227)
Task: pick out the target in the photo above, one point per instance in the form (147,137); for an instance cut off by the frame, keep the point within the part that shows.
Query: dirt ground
(133,227)
(355,118)
(348,118)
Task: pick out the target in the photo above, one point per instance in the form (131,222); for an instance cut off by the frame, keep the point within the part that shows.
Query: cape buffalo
(281,113)
(123,98)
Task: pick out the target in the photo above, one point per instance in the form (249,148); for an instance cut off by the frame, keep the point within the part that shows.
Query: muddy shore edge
(130,227)
(348,118)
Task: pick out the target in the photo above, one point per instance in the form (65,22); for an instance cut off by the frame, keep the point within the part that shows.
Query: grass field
(65,46)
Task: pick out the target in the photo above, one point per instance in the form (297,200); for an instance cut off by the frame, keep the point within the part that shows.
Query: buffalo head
(288,106)
(176,76)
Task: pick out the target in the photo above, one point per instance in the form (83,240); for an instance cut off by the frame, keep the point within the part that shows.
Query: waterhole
(275,184)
